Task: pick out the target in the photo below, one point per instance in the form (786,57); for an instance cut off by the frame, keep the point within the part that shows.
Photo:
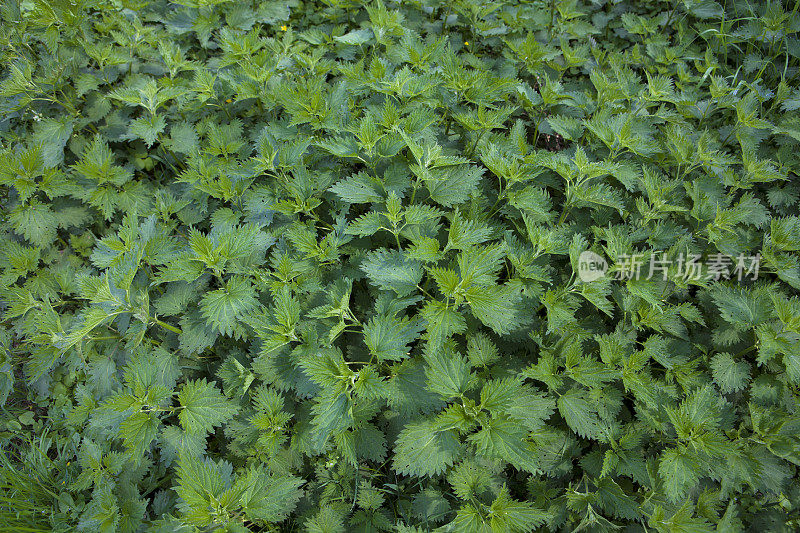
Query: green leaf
(360,188)
(729,374)
(332,414)
(388,337)
(512,516)
(423,450)
(203,407)
(183,138)
(568,127)
(503,438)
(391,270)
(521,402)
(179,442)
(203,486)
(138,431)
(579,413)
(448,373)
(224,307)
(355,37)
(270,498)
(442,321)
(678,473)
(464,233)
(452,185)
(407,393)
(741,307)
(36,222)
(147,128)
(495,306)
(326,520)
(52,135)
(785,233)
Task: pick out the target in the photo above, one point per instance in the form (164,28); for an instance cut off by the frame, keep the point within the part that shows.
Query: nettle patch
(405,266)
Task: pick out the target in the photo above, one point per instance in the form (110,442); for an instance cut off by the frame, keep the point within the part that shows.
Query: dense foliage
(316,266)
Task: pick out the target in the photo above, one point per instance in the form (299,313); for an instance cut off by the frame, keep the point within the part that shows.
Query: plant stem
(475,144)
(166,326)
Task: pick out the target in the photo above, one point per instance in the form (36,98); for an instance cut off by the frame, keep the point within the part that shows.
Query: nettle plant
(315,266)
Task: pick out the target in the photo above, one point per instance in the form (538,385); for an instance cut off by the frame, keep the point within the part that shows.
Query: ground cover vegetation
(343,266)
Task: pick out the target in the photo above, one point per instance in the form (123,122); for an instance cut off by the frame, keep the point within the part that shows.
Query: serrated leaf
(678,473)
(388,337)
(203,407)
(423,450)
(448,373)
(504,439)
(360,188)
(729,374)
(52,135)
(442,321)
(495,306)
(391,270)
(138,431)
(452,185)
(225,306)
(36,222)
(579,413)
